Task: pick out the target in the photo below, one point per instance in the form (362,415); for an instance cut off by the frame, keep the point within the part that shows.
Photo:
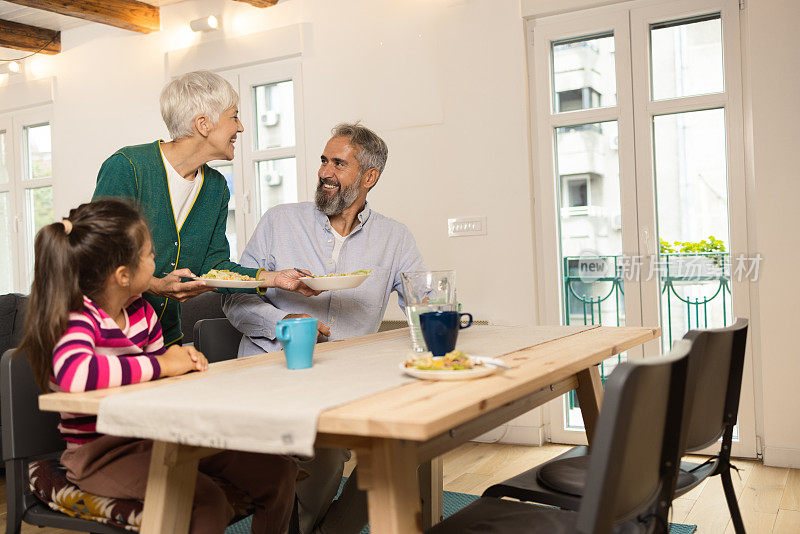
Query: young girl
(89,328)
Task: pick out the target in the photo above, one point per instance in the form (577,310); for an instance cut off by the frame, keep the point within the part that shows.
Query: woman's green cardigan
(138,173)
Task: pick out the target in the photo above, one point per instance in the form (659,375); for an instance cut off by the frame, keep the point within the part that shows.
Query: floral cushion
(48,481)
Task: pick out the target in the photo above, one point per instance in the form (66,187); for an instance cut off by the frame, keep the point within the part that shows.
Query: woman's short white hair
(195,93)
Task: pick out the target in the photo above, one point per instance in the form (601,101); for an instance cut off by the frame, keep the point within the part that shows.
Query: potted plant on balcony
(692,261)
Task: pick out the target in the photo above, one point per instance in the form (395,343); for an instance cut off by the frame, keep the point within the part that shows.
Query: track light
(204,24)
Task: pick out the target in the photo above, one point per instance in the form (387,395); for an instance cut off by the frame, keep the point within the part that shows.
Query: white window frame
(22,232)
(244,163)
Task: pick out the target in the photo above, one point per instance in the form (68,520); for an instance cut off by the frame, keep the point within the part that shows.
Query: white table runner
(272,409)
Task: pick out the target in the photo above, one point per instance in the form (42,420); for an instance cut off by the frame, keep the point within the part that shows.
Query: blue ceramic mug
(440,330)
(298,337)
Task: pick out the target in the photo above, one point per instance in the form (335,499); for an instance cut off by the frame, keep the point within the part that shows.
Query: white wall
(774,83)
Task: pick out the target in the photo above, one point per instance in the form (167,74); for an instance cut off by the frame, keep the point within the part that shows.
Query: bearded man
(338,233)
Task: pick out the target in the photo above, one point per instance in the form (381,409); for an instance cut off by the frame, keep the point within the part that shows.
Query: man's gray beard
(340,201)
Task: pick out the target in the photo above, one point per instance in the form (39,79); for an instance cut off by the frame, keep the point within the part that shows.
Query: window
(275,139)
(269,157)
(583,69)
(26,193)
(577,193)
(575,99)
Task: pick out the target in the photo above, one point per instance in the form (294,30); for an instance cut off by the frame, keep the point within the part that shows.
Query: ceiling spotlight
(13,66)
(205,24)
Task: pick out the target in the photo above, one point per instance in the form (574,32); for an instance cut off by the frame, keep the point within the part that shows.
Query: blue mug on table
(298,337)
(440,330)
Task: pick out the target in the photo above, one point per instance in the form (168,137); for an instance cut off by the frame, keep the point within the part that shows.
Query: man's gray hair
(195,93)
(371,152)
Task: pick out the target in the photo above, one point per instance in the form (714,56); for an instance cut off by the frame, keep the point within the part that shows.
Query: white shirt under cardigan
(299,235)
(182,192)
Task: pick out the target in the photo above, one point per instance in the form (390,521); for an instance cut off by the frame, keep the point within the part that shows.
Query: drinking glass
(426,291)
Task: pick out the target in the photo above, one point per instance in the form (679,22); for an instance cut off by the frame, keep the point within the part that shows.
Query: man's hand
(288,279)
(171,286)
(323,331)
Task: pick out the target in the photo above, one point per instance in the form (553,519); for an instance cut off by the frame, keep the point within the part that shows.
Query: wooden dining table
(398,429)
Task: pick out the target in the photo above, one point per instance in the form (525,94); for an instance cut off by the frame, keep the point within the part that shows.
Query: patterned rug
(453,502)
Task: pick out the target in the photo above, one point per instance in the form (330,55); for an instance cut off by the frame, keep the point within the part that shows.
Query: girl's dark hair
(73,259)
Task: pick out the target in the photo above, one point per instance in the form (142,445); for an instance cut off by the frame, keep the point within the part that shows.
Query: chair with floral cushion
(31,441)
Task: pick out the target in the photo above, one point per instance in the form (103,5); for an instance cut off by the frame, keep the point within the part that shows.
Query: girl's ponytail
(54,293)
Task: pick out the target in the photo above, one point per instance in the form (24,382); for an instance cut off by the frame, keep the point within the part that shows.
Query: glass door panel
(274,106)
(6,261)
(588,185)
(38,212)
(226,169)
(276,183)
(4,159)
(38,159)
(686,57)
(583,73)
(692,217)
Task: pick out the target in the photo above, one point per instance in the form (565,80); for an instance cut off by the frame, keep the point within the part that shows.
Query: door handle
(649,249)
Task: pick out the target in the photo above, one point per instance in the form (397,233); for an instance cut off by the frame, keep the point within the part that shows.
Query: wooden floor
(769,497)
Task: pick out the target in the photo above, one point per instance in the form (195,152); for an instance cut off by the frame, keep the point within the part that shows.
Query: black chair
(712,413)
(12,322)
(29,434)
(205,306)
(634,461)
(217,339)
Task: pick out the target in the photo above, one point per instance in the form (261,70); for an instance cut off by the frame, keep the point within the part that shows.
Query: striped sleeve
(78,364)
(155,340)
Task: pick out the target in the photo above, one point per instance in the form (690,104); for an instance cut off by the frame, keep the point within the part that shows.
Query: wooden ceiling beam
(126,14)
(29,38)
(259,3)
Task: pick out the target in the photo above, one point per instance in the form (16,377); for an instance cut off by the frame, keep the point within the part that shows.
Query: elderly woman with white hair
(184,201)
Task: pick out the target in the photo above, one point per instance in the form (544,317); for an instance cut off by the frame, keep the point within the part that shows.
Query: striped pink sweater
(94,353)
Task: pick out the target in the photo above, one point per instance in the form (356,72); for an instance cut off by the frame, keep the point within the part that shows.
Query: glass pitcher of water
(426,291)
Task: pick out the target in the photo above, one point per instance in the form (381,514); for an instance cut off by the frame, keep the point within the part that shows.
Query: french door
(639,178)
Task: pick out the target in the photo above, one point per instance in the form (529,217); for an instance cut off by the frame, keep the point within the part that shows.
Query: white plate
(330,283)
(234,284)
(462,374)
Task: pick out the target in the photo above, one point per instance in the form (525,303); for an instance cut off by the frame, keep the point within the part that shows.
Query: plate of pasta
(454,365)
(332,282)
(229,279)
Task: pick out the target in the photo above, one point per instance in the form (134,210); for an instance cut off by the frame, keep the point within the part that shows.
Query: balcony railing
(695,293)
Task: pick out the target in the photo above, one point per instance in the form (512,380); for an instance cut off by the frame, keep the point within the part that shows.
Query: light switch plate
(466,226)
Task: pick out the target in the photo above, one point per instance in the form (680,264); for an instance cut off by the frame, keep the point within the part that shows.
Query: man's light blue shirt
(299,235)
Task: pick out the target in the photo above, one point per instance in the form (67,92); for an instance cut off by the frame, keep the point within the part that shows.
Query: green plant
(710,245)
